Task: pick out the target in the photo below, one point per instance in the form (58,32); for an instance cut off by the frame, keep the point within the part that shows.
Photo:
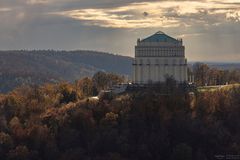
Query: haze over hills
(40,66)
(220,65)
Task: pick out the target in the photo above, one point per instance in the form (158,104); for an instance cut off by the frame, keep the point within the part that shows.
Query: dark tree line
(205,75)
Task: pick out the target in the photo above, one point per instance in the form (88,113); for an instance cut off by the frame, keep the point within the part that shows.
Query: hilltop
(41,66)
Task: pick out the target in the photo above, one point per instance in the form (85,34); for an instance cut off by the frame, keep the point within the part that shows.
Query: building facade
(158,57)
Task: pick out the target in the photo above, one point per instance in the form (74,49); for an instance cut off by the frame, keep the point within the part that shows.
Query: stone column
(135,72)
(141,73)
(149,72)
(156,73)
(185,71)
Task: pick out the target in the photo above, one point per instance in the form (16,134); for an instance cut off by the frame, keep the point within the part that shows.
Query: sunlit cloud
(5,9)
(158,14)
(210,28)
(112,18)
(235,16)
(189,35)
(37,1)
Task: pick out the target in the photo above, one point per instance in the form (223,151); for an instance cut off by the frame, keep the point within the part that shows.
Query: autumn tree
(67,93)
(104,80)
(86,86)
(200,71)
(205,75)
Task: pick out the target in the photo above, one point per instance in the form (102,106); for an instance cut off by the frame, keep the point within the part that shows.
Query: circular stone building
(158,57)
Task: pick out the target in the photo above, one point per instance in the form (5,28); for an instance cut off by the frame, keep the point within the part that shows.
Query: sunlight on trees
(56,121)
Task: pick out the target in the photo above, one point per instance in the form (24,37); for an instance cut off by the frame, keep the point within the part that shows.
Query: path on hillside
(216,87)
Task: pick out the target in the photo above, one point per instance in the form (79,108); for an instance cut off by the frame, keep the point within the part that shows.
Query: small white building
(158,57)
(119,88)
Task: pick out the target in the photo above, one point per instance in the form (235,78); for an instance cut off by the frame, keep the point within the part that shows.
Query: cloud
(235,16)
(160,14)
(112,18)
(208,27)
(5,9)
(33,2)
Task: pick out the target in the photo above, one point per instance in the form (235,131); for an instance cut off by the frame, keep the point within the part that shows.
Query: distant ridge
(39,66)
(220,65)
(19,67)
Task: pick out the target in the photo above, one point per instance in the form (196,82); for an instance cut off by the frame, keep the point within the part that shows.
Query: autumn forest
(60,121)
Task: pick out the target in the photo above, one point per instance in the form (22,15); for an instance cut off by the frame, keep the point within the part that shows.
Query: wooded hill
(41,66)
(59,122)
(37,67)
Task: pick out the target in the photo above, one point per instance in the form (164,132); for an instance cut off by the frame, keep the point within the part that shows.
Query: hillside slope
(36,67)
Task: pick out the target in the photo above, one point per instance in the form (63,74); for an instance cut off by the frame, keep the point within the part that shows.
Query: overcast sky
(210,28)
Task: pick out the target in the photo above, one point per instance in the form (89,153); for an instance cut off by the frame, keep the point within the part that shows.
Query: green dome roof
(160,37)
